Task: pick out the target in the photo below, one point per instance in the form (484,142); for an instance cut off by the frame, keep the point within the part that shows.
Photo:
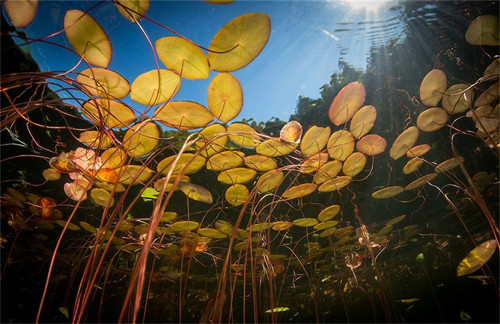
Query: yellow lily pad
(477,258)
(387,192)
(236,175)
(314,162)
(363,121)
(325,225)
(458,98)
(418,150)
(104,83)
(195,192)
(108,113)
(346,103)
(224,97)
(447,165)
(404,142)
(314,140)
(101,197)
(412,165)
(432,119)
(211,140)
(273,147)
(335,184)
(141,139)
(87,37)
(299,191)
(328,171)
(282,225)
(432,87)
(113,158)
(371,144)
(211,233)
(183,115)
(340,145)
(483,31)
(239,42)
(243,135)
(155,87)
(305,222)
(133,10)
(20,12)
(225,160)
(184,226)
(354,164)
(237,194)
(328,213)
(421,181)
(193,163)
(95,139)
(134,174)
(260,162)
(183,57)
(269,181)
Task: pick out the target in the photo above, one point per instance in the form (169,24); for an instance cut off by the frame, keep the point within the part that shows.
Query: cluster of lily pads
(123,151)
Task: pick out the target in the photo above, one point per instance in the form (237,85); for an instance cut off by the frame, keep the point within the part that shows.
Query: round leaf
(155,86)
(183,115)
(224,97)
(87,37)
(108,113)
(183,57)
(432,87)
(141,139)
(346,103)
(239,42)
(314,140)
(363,121)
(404,142)
(104,83)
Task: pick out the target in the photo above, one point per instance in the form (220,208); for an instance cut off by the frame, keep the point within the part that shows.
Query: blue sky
(307,40)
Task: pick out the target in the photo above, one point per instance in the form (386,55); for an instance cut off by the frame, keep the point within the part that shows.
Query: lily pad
(260,162)
(432,119)
(104,83)
(476,258)
(340,145)
(243,135)
(155,87)
(432,87)
(299,191)
(87,37)
(239,42)
(335,184)
(404,142)
(354,164)
(412,165)
(314,140)
(421,181)
(483,31)
(418,150)
(387,192)
(183,226)
(224,97)
(458,98)
(133,10)
(305,222)
(346,103)
(225,160)
(189,161)
(328,213)
(183,115)
(101,197)
(236,175)
(20,12)
(237,194)
(328,171)
(363,121)
(371,144)
(211,233)
(196,192)
(183,57)
(273,147)
(447,165)
(141,139)
(108,113)
(314,162)
(211,140)
(269,181)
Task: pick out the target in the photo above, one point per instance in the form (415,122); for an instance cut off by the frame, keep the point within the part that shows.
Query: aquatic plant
(204,218)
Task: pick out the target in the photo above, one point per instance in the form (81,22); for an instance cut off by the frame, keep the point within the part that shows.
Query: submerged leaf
(224,97)
(20,12)
(346,103)
(476,258)
(196,192)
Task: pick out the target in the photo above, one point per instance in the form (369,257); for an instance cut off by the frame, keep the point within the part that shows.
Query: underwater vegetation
(373,203)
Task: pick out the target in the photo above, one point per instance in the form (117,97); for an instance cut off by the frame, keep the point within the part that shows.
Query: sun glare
(370,6)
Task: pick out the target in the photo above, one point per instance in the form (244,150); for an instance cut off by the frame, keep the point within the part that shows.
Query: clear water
(365,271)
